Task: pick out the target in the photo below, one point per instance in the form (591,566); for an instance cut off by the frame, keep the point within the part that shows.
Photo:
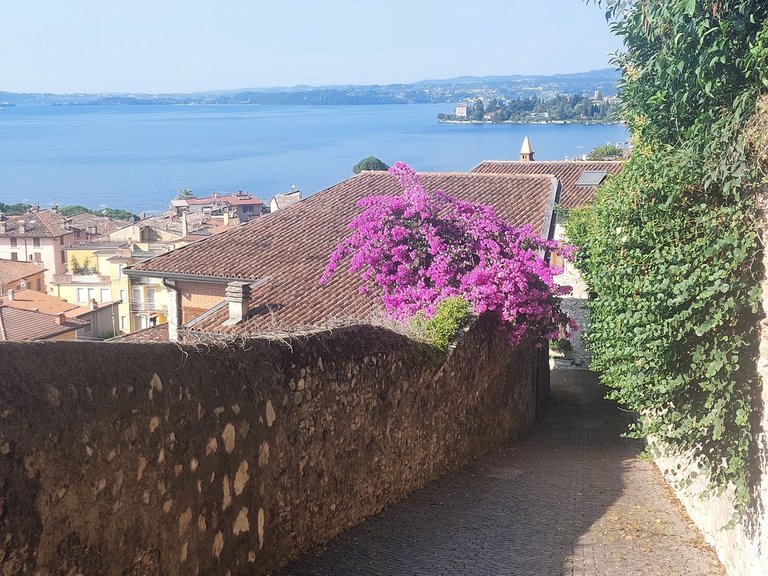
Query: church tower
(526,152)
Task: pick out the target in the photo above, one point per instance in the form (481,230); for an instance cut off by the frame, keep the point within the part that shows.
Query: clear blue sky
(190,45)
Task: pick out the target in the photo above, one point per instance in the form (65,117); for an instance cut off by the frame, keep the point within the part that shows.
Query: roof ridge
(44,222)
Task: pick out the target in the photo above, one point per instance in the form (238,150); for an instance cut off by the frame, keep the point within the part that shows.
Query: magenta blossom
(421,247)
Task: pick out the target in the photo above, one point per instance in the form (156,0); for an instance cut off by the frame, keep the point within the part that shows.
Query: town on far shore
(558,109)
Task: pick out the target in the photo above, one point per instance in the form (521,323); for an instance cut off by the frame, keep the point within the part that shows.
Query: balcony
(148,308)
(80,279)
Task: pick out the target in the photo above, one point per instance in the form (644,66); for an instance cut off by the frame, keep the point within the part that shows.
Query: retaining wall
(135,459)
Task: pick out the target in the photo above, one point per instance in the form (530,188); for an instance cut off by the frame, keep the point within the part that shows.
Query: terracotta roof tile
(282,201)
(96,225)
(40,224)
(157,333)
(13,270)
(38,302)
(292,247)
(568,172)
(24,325)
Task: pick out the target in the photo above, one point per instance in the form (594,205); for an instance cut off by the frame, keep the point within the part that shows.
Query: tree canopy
(606,151)
(369,163)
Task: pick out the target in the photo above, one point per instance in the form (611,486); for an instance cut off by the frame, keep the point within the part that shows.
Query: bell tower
(526,151)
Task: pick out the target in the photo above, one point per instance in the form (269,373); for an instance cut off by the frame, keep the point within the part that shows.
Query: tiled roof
(292,247)
(96,225)
(13,270)
(568,172)
(18,324)
(38,302)
(284,200)
(171,224)
(232,199)
(157,333)
(40,224)
(81,311)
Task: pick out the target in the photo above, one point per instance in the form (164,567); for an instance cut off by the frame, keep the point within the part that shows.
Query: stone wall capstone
(139,459)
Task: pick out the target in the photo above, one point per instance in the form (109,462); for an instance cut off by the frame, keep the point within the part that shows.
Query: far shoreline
(537,123)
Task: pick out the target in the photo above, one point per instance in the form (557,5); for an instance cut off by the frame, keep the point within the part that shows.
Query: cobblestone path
(571,498)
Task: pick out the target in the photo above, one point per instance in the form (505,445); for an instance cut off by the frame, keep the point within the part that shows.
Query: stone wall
(743,548)
(159,459)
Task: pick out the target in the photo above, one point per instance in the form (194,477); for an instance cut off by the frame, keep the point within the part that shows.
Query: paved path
(570,498)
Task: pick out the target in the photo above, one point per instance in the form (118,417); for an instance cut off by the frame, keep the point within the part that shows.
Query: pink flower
(420,248)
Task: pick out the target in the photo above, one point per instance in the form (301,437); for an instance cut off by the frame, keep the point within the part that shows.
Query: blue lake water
(139,157)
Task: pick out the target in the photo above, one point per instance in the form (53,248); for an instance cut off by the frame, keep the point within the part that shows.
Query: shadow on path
(570,498)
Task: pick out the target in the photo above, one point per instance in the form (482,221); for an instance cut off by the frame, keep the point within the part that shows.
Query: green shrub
(440,330)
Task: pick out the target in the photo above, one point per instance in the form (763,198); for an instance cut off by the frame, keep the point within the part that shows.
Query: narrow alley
(572,498)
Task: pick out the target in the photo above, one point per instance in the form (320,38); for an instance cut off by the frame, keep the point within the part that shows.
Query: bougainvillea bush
(419,248)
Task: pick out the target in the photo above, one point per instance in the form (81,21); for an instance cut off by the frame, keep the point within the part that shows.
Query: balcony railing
(148,308)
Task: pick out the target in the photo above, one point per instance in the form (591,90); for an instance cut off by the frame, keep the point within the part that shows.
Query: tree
(185,194)
(421,248)
(15,209)
(478,110)
(606,151)
(369,163)
(74,210)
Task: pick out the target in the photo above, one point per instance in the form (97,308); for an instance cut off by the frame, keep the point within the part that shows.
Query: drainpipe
(174,309)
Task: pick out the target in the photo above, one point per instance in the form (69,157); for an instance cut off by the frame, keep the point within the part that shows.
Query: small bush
(441,329)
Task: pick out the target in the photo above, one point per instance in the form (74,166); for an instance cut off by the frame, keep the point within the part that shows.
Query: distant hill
(426,91)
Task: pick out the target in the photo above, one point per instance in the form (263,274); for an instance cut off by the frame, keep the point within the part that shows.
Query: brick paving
(571,498)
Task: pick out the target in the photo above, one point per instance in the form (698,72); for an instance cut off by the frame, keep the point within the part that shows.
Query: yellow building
(95,273)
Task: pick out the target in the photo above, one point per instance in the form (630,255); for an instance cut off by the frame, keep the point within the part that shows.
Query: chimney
(239,298)
(60,319)
(22,227)
(184,225)
(226,217)
(10,295)
(94,306)
(526,151)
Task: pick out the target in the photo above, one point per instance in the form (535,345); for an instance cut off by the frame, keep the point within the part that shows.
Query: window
(81,294)
(36,242)
(122,295)
(63,257)
(14,242)
(590,178)
(247,208)
(38,257)
(105,295)
(123,323)
(14,256)
(91,294)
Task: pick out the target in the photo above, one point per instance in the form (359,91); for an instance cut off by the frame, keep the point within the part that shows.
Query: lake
(139,157)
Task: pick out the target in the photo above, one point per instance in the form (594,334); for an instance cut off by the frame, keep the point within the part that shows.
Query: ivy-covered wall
(672,250)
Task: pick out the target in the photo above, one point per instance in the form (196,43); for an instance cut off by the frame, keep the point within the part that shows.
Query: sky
(165,46)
